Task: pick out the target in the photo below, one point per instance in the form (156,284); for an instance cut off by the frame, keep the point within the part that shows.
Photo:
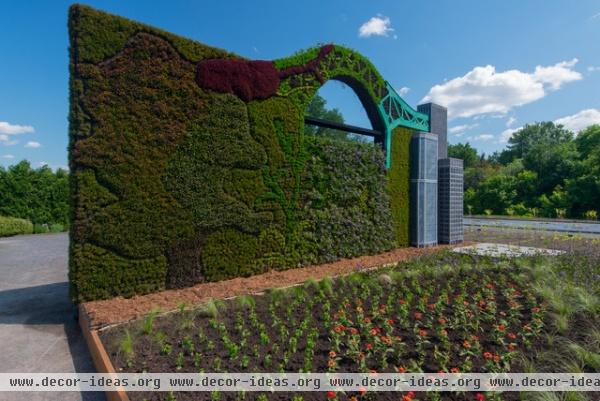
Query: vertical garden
(190,163)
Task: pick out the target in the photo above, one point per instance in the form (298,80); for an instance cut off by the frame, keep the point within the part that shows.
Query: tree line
(546,170)
(39,195)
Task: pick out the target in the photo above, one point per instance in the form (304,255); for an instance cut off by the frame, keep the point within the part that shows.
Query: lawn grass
(441,312)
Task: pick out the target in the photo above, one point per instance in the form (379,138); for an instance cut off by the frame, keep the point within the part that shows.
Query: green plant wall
(189,163)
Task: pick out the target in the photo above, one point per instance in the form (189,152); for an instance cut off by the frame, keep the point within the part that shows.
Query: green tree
(39,195)
(464,151)
(318,109)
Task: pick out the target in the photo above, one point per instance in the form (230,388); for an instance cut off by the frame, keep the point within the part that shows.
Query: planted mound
(469,315)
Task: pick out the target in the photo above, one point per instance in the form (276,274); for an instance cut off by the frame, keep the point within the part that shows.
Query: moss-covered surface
(174,183)
(398,184)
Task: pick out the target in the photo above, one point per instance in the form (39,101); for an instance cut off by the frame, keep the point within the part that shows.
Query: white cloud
(459,129)
(593,68)
(14,129)
(483,90)
(8,157)
(403,91)
(558,74)
(482,137)
(507,134)
(378,26)
(595,16)
(511,120)
(33,144)
(580,120)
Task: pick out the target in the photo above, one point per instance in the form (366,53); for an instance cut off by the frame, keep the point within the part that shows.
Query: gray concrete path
(37,330)
(544,225)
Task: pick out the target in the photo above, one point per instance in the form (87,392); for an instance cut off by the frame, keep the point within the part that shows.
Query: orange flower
(422,332)
(401,302)
(535,310)
(331,363)
(332,354)
(442,321)
(454,370)
(367,320)
(497,358)
(353,398)
(401,369)
(353,330)
(488,355)
(512,336)
(511,346)
(431,306)
(466,344)
(338,329)
(418,315)
(390,322)
(501,327)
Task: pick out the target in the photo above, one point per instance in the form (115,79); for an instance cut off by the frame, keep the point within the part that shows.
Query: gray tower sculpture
(449,179)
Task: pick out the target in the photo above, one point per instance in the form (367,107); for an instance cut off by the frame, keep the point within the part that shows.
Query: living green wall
(189,163)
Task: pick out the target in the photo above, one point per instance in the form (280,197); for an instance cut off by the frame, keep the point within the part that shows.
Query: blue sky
(497,65)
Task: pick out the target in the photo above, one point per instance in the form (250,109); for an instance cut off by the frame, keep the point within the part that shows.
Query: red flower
(411,394)
(454,370)
(362,391)
(488,355)
(489,286)
(401,369)
(512,336)
(442,320)
(535,310)
(431,306)
(501,327)
(353,330)
(332,354)
(373,332)
(480,397)
(390,322)
(418,315)
(338,329)
(331,394)
(422,332)
(401,302)
(369,346)
(367,320)
(497,358)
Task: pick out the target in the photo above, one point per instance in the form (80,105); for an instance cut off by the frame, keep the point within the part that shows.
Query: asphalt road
(38,332)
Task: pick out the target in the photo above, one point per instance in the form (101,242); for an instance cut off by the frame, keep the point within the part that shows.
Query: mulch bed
(119,310)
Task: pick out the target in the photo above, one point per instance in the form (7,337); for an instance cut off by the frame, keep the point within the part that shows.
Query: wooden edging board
(99,355)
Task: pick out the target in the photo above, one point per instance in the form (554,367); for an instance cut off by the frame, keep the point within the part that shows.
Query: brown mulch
(119,310)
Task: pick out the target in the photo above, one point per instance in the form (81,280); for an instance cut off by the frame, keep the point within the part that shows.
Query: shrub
(13,226)
(41,228)
(57,228)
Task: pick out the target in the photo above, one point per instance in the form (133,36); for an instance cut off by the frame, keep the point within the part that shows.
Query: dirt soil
(119,310)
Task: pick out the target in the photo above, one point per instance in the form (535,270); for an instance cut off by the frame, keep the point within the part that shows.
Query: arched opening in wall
(336,112)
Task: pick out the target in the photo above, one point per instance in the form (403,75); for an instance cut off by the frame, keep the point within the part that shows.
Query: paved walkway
(545,225)
(37,330)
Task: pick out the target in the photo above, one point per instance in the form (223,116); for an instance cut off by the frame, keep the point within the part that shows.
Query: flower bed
(446,313)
